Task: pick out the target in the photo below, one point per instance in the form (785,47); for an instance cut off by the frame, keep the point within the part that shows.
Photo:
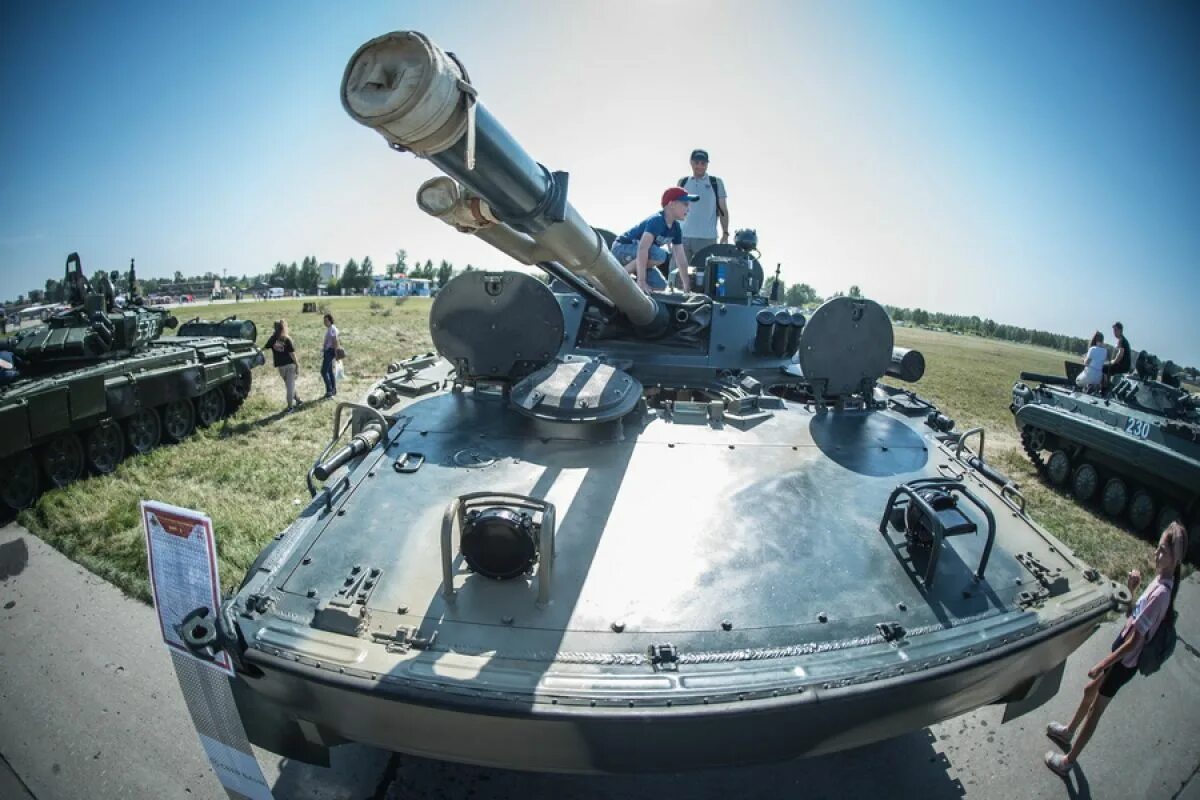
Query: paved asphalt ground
(90,708)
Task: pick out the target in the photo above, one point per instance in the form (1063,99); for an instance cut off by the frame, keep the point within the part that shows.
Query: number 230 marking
(1139,428)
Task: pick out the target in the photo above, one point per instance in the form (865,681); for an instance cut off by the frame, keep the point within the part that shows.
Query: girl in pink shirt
(1118,667)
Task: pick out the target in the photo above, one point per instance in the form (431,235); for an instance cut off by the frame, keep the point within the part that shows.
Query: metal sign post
(182,556)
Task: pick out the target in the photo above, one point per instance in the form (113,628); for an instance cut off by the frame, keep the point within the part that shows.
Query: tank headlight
(499,543)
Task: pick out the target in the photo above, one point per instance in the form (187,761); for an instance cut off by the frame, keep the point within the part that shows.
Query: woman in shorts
(1119,666)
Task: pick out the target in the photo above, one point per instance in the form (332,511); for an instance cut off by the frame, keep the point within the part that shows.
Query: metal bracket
(327,493)
(408,463)
(346,611)
(890,631)
(910,491)
(664,657)
(405,639)
(1053,580)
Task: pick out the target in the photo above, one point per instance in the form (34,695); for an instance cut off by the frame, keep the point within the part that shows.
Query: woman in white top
(1093,363)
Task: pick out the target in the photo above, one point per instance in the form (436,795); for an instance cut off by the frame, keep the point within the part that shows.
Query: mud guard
(1031,695)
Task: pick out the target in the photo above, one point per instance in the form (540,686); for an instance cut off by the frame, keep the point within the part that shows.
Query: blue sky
(1031,162)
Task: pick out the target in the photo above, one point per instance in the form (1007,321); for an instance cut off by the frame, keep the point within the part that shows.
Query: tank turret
(420,100)
(98,381)
(93,328)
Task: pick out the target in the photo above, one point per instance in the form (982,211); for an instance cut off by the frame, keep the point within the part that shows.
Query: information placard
(182,555)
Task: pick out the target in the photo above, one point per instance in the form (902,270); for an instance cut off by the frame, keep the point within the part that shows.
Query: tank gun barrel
(359,444)
(419,98)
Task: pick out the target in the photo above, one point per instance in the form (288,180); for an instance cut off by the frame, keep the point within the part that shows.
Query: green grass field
(248,472)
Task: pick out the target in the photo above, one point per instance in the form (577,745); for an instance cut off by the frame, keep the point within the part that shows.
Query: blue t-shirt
(655,225)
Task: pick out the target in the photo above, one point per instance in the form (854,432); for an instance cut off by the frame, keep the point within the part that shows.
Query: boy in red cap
(640,249)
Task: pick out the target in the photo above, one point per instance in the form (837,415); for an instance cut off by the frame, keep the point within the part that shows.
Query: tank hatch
(847,344)
(577,390)
(496,325)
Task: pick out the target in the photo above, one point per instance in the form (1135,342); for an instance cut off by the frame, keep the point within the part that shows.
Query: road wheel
(1166,516)
(62,459)
(105,448)
(18,480)
(238,389)
(143,430)
(1141,510)
(1085,482)
(1058,468)
(179,419)
(210,407)
(1114,497)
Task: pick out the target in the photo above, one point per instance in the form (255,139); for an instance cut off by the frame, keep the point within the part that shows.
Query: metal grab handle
(1008,490)
(910,489)
(963,438)
(452,521)
(328,493)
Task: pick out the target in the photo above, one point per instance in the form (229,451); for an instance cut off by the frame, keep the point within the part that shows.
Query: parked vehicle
(97,383)
(608,531)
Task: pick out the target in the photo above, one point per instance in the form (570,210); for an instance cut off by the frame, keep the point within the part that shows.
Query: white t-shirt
(701,221)
(1093,364)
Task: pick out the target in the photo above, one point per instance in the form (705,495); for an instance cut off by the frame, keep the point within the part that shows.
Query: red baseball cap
(676,193)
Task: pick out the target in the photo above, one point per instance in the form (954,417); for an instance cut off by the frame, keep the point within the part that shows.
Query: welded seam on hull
(640,660)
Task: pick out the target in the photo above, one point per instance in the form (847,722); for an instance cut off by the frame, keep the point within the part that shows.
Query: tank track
(1028,434)
(1035,455)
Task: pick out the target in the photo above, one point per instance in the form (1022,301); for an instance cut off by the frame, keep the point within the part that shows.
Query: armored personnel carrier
(1134,449)
(96,383)
(605,531)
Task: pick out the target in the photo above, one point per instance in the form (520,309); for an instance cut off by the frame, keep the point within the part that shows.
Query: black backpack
(712,181)
(1161,645)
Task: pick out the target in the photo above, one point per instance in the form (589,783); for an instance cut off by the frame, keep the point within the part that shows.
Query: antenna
(775,286)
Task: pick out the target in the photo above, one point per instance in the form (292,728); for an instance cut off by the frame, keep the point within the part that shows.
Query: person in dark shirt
(641,248)
(1121,360)
(283,354)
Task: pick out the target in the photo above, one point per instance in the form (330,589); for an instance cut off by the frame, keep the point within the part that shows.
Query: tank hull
(1134,452)
(658,735)
(766,571)
(50,420)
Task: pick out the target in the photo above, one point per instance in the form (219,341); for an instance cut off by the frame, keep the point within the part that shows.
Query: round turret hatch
(577,390)
(847,341)
(496,325)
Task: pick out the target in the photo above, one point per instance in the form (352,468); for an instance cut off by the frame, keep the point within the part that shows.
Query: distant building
(401,286)
(329,271)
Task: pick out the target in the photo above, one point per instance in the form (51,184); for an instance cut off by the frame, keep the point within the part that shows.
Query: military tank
(606,531)
(1134,450)
(96,382)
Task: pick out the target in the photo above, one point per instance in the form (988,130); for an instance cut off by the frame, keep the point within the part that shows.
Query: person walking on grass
(329,350)
(1119,666)
(285,359)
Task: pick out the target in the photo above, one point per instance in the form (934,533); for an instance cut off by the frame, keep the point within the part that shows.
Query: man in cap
(700,228)
(643,247)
